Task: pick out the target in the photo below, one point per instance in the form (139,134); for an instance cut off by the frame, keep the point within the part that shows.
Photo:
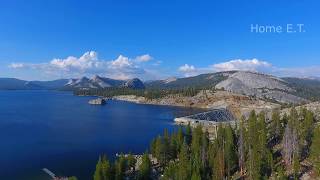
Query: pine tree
(241,146)
(184,164)
(315,149)
(188,136)
(197,134)
(276,127)
(254,160)
(145,168)
(219,165)
(103,169)
(120,167)
(98,173)
(180,139)
(291,148)
(264,151)
(230,150)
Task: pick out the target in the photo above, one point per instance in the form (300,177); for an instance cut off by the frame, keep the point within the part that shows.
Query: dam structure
(210,118)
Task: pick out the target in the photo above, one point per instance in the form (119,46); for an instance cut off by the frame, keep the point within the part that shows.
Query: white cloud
(88,64)
(86,61)
(120,62)
(237,64)
(16,65)
(144,58)
(242,65)
(251,65)
(188,70)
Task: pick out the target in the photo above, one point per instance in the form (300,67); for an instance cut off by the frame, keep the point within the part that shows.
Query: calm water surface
(65,134)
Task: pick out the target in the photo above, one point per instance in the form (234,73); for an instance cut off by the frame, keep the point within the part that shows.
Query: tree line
(256,148)
(147,93)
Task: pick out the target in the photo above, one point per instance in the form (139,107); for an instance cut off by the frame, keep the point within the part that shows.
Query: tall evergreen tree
(145,168)
(241,146)
(184,164)
(120,167)
(315,149)
(276,127)
(254,160)
(103,169)
(291,148)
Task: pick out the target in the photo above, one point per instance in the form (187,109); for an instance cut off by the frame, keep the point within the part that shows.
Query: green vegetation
(202,81)
(315,149)
(72,178)
(306,88)
(256,148)
(147,93)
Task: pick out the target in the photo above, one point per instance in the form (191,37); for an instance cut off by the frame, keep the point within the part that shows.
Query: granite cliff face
(134,84)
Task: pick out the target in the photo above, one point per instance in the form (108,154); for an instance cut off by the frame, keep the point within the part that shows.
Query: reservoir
(62,132)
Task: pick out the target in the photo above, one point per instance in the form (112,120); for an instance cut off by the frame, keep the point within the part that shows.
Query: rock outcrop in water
(99,101)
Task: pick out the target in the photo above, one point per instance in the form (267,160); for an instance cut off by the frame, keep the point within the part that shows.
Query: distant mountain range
(17,84)
(288,90)
(98,82)
(95,82)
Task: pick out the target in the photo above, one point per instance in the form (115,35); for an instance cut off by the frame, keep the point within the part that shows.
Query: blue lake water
(65,134)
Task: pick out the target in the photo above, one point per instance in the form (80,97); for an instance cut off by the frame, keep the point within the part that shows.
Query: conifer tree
(103,169)
(145,168)
(120,167)
(98,172)
(254,160)
(315,149)
(276,126)
(184,164)
(230,150)
(241,146)
(188,136)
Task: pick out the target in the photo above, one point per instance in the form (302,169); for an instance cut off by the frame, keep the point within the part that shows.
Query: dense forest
(284,147)
(306,88)
(147,93)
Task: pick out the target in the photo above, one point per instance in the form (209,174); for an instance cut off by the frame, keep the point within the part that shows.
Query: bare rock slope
(259,85)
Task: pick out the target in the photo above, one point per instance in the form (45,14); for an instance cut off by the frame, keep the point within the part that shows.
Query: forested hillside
(285,147)
(306,88)
(147,93)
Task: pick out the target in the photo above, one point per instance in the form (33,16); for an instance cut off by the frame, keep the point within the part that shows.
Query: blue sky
(155,39)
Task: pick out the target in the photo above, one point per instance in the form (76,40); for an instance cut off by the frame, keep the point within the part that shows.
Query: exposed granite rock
(99,101)
(261,86)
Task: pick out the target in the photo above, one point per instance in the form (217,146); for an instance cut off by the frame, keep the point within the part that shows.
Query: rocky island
(99,101)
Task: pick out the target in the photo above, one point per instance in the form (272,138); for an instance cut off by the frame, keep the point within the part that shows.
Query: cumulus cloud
(86,61)
(242,65)
(88,64)
(236,64)
(255,65)
(144,58)
(188,70)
